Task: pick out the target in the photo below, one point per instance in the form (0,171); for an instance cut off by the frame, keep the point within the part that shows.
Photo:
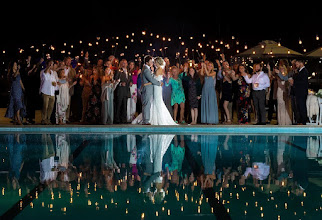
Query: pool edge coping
(264,129)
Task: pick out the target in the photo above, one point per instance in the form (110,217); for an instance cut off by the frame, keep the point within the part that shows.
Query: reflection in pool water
(157,175)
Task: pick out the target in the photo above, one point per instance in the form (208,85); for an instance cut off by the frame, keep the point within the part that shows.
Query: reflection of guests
(209,146)
(259,171)
(47,163)
(261,161)
(177,154)
(16,144)
(299,164)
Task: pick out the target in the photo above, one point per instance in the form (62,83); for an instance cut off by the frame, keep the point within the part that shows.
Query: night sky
(26,23)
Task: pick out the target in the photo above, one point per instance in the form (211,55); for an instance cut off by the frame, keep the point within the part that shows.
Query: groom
(148,81)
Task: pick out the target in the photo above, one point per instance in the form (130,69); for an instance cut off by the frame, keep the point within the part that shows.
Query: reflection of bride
(159,145)
(160,115)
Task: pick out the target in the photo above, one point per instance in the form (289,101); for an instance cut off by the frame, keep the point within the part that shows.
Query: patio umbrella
(268,49)
(315,53)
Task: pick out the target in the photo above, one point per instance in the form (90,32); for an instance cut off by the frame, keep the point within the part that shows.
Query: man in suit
(148,81)
(300,84)
(122,92)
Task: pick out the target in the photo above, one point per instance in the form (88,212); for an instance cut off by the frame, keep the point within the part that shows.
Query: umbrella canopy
(267,49)
(315,53)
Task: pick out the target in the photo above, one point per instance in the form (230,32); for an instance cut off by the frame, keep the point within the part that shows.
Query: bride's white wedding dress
(159,113)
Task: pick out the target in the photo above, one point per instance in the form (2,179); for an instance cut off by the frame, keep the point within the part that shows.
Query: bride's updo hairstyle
(160,62)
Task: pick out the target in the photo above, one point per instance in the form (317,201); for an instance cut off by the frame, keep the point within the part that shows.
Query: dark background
(26,23)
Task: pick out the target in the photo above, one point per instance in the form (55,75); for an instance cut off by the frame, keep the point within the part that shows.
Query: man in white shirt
(260,82)
(47,89)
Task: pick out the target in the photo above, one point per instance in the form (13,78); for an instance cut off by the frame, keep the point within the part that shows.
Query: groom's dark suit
(147,92)
(301,85)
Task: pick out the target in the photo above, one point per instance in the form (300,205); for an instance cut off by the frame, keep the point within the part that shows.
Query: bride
(159,113)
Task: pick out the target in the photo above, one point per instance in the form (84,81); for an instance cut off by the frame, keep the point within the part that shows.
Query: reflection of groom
(147,88)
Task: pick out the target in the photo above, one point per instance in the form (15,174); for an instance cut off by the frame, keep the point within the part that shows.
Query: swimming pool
(165,175)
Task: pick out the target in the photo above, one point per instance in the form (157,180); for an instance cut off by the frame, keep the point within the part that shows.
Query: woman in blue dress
(16,109)
(209,107)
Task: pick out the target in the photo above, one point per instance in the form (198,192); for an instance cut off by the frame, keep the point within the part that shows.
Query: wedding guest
(84,59)
(139,97)
(93,114)
(234,106)
(177,95)
(131,102)
(16,109)
(301,84)
(70,74)
(100,67)
(194,94)
(185,78)
(227,90)
(31,83)
(167,65)
(40,66)
(243,100)
(284,110)
(167,90)
(76,105)
(209,107)
(290,75)
(122,92)
(272,93)
(62,97)
(114,62)
(107,96)
(87,88)
(47,89)
(260,82)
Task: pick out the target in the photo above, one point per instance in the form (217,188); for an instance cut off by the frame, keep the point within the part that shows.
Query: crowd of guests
(108,91)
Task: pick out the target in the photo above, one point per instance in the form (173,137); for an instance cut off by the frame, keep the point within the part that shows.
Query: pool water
(160,176)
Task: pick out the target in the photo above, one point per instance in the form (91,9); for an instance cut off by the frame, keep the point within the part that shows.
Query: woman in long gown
(107,97)
(209,107)
(194,94)
(243,99)
(16,109)
(284,110)
(93,115)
